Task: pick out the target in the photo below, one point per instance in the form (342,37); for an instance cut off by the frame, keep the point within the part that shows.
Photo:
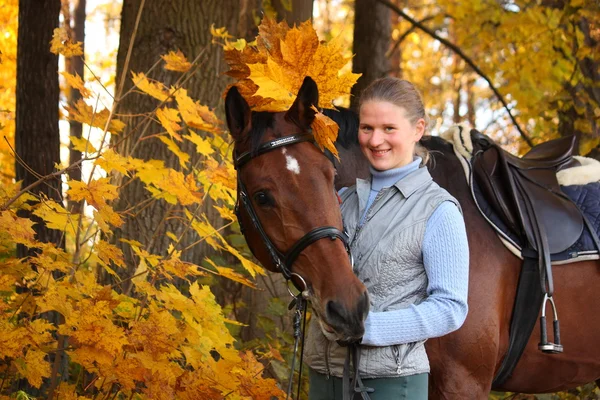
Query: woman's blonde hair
(401,93)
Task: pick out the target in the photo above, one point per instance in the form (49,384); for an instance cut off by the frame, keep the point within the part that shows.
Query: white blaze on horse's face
(291,163)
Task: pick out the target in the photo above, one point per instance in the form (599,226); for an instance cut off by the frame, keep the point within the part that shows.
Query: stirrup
(545,345)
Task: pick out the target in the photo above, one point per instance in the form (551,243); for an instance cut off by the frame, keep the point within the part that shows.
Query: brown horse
(463,363)
(289,209)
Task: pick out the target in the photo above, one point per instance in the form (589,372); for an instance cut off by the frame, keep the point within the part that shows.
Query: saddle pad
(586,197)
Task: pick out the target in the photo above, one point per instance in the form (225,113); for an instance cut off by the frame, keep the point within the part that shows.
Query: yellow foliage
(96,192)
(62,44)
(326,131)
(16,229)
(33,367)
(176,61)
(169,119)
(76,82)
(9,12)
(270,75)
(83,145)
(85,114)
(197,115)
(153,342)
(151,87)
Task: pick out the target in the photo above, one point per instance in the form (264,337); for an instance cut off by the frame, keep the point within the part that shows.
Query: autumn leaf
(97,192)
(203,146)
(174,148)
(82,145)
(33,367)
(76,82)
(109,253)
(62,44)
(85,114)
(16,229)
(325,132)
(176,61)
(270,75)
(231,274)
(196,115)
(149,86)
(111,161)
(169,119)
(56,216)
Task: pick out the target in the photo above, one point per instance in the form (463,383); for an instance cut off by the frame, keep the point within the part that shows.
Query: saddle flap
(561,219)
(487,171)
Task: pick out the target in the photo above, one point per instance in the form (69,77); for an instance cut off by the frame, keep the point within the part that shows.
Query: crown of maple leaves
(271,70)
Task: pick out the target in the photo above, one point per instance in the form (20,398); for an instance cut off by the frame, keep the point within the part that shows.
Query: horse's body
(464,363)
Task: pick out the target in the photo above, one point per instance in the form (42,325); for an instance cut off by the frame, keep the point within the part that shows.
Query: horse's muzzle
(348,324)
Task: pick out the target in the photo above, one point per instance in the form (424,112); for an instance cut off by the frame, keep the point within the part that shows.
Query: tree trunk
(372,33)
(298,10)
(37,140)
(74,65)
(165,26)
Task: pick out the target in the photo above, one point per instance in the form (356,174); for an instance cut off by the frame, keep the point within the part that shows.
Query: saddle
(526,196)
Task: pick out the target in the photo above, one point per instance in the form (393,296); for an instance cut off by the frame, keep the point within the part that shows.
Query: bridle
(284,261)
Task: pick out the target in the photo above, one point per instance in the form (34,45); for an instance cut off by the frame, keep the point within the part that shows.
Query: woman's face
(387,138)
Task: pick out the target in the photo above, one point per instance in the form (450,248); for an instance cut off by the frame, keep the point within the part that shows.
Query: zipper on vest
(360,226)
(327,370)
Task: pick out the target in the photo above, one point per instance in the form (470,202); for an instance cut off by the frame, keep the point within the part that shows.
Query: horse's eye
(263,199)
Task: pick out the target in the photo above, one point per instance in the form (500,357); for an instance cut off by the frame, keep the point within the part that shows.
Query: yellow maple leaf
(76,82)
(153,88)
(270,74)
(56,216)
(112,161)
(85,114)
(226,213)
(16,229)
(176,61)
(82,145)
(231,274)
(110,253)
(96,192)
(33,367)
(169,119)
(273,82)
(106,216)
(325,131)
(171,145)
(62,44)
(196,115)
(203,146)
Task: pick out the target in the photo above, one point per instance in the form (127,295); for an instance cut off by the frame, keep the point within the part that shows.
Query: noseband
(282,260)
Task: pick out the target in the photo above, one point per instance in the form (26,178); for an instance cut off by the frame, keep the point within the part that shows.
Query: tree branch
(458,51)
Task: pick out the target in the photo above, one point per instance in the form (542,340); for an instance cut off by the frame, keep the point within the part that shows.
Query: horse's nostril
(363,306)
(335,313)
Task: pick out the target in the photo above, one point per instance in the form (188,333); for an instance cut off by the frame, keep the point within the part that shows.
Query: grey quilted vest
(389,261)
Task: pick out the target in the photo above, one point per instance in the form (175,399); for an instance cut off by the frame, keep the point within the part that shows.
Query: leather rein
(283,261)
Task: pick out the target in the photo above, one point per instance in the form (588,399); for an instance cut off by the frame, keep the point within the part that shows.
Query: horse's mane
(348,123)
(261,121)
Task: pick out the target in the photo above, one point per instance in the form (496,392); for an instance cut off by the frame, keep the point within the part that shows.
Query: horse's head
(290,211)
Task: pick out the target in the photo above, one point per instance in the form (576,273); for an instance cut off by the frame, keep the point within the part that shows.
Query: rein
(284,260)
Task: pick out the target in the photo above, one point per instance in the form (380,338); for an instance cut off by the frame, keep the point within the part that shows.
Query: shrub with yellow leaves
(162,341)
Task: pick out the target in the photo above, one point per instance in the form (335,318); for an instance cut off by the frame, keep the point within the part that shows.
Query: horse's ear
(237,112)
(301,112)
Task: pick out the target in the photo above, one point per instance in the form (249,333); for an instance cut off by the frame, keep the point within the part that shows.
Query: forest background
(123,273)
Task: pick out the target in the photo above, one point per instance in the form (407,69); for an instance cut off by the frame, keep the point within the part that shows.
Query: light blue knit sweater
(446,260)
